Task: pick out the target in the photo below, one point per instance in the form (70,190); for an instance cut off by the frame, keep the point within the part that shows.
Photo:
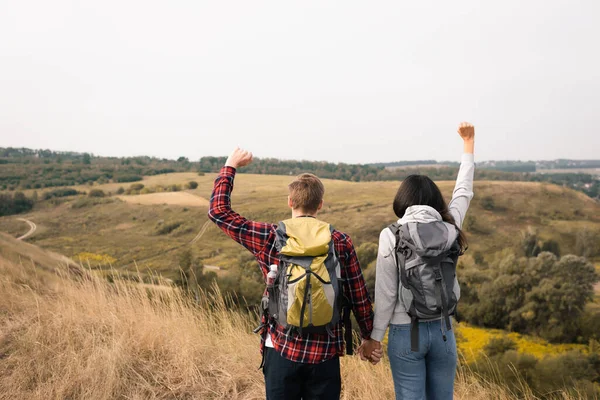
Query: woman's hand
(467,132)
(370,350)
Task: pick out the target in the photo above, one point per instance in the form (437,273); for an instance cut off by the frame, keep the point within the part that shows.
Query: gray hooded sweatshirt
(389,309)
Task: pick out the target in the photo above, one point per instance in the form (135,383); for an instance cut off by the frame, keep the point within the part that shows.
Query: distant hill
(22,169)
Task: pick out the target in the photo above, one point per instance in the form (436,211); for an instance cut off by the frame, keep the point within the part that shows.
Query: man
(296,366)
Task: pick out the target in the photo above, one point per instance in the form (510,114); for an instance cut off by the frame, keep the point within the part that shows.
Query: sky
(341,81)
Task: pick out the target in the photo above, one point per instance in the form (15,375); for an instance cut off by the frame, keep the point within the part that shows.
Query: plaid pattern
(259,239)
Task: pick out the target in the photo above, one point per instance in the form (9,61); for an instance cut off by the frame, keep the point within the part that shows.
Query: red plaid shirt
(259,239)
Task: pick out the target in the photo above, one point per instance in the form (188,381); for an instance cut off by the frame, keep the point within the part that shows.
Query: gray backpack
(428,286)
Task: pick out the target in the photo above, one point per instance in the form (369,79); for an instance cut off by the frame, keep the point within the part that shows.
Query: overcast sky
(321,80)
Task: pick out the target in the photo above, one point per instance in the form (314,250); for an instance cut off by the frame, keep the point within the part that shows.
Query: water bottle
(271,275)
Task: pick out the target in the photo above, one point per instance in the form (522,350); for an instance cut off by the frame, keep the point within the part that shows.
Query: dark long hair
(420,190)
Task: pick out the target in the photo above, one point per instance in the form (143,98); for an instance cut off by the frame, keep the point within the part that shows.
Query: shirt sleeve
(357,293)
(463,190)
(250,234)
(386,285)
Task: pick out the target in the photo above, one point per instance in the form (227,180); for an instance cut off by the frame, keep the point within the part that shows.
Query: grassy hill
(150,236)
(91,339)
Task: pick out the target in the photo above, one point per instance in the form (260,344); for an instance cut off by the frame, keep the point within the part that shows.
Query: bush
(14,204)
(470,223)
(488,203)
(191,185)
(63,192)
(120,190)
(369,276)
(96,193)
(530,243)
(136,186)
(587,243)
(552,247)
(165,229)
(367,253)
(127,178)
(530,295)
(89,201)
(499,345)
(590,323)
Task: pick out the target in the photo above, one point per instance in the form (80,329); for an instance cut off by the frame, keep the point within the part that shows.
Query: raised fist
(466,131)
(239,158)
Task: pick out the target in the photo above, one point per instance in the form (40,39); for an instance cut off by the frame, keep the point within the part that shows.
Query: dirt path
(32,228)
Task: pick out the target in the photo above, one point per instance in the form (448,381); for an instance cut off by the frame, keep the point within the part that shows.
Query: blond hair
(306,193)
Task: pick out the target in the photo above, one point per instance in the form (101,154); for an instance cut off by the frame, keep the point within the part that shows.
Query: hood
(423,227)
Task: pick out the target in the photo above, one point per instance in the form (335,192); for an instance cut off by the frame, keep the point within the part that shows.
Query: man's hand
(370,350)
(466,131)
(238,158)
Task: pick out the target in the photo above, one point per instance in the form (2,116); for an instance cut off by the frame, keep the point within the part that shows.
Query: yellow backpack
(307,295)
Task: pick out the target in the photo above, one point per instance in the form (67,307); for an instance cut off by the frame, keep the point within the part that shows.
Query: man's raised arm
(252,235)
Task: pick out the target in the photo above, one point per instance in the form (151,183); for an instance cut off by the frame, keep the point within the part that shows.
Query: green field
(126,235)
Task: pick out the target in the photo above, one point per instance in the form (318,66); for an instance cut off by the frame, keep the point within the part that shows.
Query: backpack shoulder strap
(346,305)
(280,236)
(400,250)
(395,228)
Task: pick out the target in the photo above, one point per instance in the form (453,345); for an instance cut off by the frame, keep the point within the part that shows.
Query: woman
(429,372)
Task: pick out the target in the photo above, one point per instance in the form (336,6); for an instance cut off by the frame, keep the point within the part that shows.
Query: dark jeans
(289,380)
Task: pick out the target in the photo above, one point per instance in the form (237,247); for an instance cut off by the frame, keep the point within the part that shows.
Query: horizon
(66,152)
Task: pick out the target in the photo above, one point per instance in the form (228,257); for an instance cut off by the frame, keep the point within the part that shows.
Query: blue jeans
(428,373)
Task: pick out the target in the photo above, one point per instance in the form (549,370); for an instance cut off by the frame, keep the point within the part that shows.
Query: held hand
(370,350)
(377,353)
(466,131)
(239,158)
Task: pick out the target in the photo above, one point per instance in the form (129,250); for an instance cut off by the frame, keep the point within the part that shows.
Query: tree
(530,243)
(551,246)
(587,243)
(542,295)
(86,159)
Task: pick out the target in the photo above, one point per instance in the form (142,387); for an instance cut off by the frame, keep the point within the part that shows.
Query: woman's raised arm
(463,190)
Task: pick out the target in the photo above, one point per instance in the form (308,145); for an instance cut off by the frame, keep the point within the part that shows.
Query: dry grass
(170,198)
(87,339)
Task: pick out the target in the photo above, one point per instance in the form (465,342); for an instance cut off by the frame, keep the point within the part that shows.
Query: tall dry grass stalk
(84,338)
